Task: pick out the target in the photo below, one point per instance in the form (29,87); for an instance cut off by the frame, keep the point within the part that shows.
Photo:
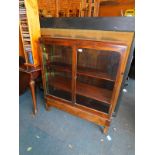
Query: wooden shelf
(96,93)
(83,71)
(99,94)
(94,73)
(61,67)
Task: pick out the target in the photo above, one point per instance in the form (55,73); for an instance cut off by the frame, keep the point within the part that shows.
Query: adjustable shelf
(94,74)
(96,93)
(81,71)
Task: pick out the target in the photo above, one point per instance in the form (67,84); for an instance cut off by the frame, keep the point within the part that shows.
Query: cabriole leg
(32,88)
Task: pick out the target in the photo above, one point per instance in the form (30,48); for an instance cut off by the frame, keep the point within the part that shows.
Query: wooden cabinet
(83,77)
(30,31)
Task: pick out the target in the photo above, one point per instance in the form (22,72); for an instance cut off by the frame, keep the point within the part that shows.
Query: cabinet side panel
(120,75)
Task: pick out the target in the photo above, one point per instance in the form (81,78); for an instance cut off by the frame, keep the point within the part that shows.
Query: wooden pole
(97,7)
(90,8)
(57,7)
(95,4)
(83,8)
(69,6)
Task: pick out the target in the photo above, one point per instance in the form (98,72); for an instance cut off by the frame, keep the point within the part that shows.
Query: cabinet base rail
(102,120)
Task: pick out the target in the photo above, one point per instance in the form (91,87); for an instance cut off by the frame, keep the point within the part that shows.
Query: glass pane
(96,74)
(57,66)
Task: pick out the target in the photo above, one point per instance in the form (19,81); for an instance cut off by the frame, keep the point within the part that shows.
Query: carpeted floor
(59,133)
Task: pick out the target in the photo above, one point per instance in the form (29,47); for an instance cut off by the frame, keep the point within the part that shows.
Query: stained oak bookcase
(29,27)
(83,77)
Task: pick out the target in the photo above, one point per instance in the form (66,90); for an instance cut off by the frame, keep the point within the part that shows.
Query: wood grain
(75,110)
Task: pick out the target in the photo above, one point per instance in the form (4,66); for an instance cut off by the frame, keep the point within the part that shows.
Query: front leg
(32,88)
(105,130)
(47,107)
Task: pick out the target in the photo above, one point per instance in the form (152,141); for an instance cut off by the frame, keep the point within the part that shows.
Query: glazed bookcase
(83,77)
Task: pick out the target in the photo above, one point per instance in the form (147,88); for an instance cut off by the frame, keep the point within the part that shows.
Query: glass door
(57,62)
(96,74)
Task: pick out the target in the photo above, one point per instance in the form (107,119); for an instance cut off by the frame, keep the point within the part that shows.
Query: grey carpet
(59,133)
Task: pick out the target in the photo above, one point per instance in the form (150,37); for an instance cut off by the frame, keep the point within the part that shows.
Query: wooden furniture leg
(32,87)
(105,130)
(47,107)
